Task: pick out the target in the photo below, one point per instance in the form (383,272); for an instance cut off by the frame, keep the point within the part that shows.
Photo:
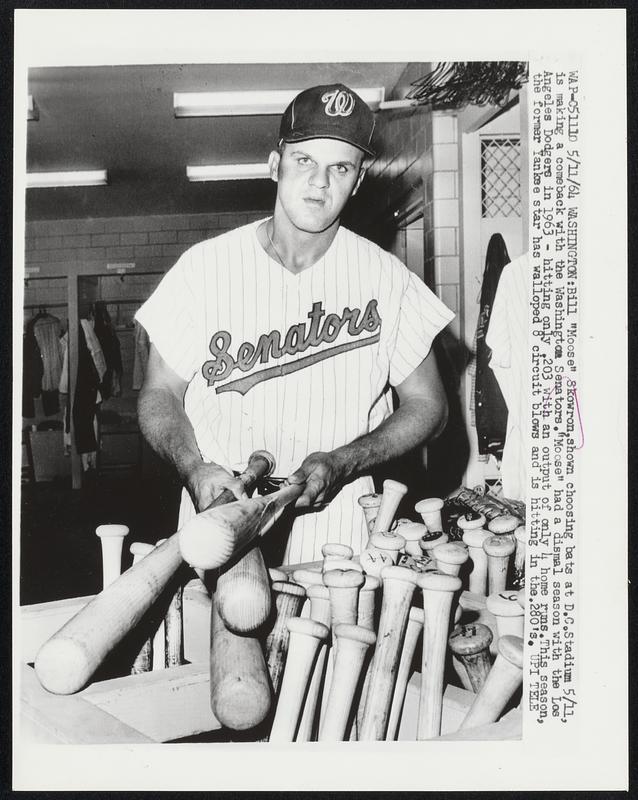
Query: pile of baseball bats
(324,652)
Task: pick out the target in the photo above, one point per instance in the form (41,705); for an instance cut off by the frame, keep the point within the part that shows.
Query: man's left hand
(323,474)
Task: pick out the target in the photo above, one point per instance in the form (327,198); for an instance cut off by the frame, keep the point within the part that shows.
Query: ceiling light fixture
(223,104)
(227,172)
(47,180)
(32,109)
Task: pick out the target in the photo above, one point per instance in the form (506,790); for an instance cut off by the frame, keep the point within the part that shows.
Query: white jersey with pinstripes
(291,363)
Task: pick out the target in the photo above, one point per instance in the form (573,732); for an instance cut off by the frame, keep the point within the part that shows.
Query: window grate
(500,176)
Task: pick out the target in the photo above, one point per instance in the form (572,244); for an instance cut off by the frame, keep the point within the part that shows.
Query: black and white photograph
(304,402)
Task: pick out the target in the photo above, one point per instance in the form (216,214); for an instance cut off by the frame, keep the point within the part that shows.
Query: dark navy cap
(329,112)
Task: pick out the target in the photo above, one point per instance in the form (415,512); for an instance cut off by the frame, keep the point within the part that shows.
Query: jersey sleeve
(421,317)
(169,315)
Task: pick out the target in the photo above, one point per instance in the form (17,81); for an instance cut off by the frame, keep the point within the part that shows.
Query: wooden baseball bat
(66,662)
(412,532)
(168,645)
(343,564)
(210,539)
(174,631)
(335,551)
(353,642)
(503,680)
(412,633)
(393,493)
(111,540)
(398,588)
(520,534)
(305,637)
(343,587)
(467,522)
(474,538)
(507,611)
(319,598)
(276,574)
(470,646)
(504,525)
(498,550)
(438,594)
(520,597)
(388,542)
(430,511)
(367,602)
(431,540)
(373,561)
(239,689)
(307,578)
(450,557)
(370,504)
(243,592)
(289,599)
(144,659)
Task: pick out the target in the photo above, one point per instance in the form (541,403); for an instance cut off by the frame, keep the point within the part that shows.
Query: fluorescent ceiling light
(227,172)
(32,109)
(221,104)
(45,180)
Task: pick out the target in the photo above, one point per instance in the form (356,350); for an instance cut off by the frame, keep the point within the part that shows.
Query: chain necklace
(272,244)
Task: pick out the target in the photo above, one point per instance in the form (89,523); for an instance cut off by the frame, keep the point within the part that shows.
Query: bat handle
(260,464)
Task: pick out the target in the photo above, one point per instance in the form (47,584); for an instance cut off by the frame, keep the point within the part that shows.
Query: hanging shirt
(291,363)
(508,338)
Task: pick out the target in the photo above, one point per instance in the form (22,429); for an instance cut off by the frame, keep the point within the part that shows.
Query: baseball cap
(330,111)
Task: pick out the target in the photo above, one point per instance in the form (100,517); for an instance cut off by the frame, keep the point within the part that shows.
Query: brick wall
(152,242)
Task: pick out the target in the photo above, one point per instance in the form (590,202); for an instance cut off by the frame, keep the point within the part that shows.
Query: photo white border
(590,753)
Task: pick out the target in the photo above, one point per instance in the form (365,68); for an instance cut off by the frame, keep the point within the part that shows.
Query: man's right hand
(206,481)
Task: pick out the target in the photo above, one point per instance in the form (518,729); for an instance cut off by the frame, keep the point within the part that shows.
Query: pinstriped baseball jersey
(291,363)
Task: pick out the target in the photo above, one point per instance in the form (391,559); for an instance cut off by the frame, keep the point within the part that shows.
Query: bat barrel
(412,633)
(430,511)
(306,636)
(474,538)
(398,588)
(67,661)
(438,593)
(352,644)
(503,680)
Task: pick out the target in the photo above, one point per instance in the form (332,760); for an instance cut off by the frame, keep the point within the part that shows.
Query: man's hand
(324,474)
(206,481)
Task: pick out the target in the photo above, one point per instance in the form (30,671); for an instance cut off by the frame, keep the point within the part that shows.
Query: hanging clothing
(142,347)
(112,382)
(87,395)
(490,406)
(91,369)
(46,329)
(47,333)
(508,339)
(32,370)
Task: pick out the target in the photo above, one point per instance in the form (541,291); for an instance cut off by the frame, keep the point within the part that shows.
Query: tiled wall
(442,213)
(418,167)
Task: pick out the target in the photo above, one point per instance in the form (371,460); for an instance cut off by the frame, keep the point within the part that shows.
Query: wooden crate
(169,704)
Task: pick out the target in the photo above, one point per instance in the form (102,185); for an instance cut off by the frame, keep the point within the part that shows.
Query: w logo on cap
(338,103)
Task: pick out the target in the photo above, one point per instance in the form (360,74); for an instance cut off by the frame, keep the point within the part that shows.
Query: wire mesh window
(500,176)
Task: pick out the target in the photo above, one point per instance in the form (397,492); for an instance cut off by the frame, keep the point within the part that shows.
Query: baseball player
(286,334)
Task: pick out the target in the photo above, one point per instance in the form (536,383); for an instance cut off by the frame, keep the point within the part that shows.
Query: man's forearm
(168,430)
(411,425)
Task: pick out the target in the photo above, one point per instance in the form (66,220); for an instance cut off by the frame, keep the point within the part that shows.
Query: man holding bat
(287,334)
